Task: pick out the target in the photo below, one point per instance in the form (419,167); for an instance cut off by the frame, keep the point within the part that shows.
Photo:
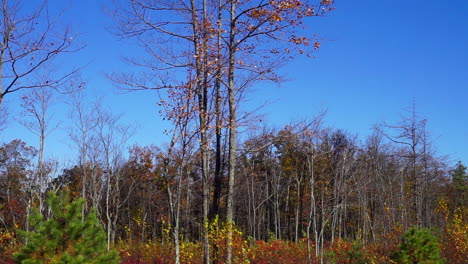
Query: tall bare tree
(84,120)
(37,119)
(110,141)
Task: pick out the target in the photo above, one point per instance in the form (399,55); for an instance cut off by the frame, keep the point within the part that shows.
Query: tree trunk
(232,133)
(218,174)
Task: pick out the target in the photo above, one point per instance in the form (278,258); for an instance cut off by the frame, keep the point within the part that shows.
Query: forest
(224,187)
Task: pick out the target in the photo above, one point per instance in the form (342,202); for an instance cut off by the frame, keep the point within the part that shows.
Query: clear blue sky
(375,58)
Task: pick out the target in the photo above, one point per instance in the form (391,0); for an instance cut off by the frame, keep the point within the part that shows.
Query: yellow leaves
(166,229)
(127,229)
(442,208)
(219,235)
(456,233)
(7,239)
(190,252)
(276,17)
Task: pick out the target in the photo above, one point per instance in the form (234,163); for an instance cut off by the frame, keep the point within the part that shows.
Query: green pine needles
(65,237)
(419,246)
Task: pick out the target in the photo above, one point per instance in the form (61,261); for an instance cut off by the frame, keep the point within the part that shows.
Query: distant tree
(84,117)
(410,134)
(15,169)
(460,182)
(70,180)
(65,237)
(419,246)
(108,145)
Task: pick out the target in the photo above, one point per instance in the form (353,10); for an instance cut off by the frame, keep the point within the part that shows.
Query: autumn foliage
(455,237)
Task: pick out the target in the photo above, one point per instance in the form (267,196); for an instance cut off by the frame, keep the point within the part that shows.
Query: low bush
(418,246)
(278,252)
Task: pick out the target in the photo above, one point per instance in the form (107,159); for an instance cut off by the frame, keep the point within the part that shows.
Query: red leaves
(278,251)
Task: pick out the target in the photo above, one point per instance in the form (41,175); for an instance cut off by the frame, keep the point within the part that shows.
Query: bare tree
(37,119)
(179,111)
(110,141)
(409,133)
(84,118)
(30,38)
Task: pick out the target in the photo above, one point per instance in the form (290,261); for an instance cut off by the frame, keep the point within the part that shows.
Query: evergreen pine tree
(65,237)
(419,246)
(460,181)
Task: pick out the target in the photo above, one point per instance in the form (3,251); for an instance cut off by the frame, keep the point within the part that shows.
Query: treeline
(302,181)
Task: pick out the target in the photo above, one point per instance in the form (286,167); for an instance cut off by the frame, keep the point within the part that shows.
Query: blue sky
(376,57)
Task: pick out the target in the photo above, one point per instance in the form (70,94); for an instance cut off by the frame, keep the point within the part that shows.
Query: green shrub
(65,237)
(418,246)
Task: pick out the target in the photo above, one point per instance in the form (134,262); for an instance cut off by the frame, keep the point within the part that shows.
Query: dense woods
(304,183)
(224,188)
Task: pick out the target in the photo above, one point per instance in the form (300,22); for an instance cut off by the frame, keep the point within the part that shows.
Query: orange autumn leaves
(276,16)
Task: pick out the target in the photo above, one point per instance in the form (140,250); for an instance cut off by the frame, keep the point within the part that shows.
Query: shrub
(218,236)
(418,246)
(345,252)
(158,252)
(7,246)
(455,243)
(66,237)
(278,252)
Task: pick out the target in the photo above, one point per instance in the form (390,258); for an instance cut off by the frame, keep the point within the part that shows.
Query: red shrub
(278,252)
